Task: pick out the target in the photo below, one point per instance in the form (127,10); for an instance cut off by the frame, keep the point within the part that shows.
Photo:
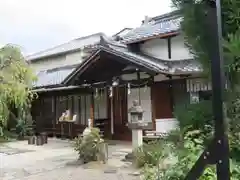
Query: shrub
(148,153)
(150,172)
(179,171)
(88,147)
(186,158)
(175,137)
(197,119)
(196,116)
(152,152)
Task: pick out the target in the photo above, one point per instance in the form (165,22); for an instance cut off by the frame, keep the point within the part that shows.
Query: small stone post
(136,114)
(137,138)
(87,130)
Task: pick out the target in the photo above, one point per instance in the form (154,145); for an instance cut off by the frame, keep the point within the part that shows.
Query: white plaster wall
(166,125)
(145,94)
(158,48)
(179,50)
(59,61)
(48,63)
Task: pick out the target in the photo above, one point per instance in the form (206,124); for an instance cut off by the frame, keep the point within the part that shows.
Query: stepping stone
(136,173)
(110,170)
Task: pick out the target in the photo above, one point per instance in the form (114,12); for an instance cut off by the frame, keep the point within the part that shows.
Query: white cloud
(39,24)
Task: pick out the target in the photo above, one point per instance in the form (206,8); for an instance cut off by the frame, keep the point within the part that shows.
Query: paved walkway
(57,161)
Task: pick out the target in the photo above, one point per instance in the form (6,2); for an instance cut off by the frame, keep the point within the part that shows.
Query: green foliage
(149,153)
(185,158)
(23,128)
(194,118)
(150,172)
(200,40)
(16,80)
(88,147)
(8,136)
(233,118)
(175,137)
(196,115)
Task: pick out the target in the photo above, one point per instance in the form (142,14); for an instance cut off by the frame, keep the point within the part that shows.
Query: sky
(35,25)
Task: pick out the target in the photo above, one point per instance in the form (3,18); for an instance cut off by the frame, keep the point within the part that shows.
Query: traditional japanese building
(149,63)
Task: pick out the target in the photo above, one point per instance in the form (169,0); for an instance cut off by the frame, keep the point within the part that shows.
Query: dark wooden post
(55,116)
(92,109)
(218,151)
(218,86)
(139,88)
(170,83)
(85,109)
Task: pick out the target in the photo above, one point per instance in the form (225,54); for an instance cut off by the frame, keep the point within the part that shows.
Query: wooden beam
(92,59)
(80,110)
(130,71)
(92,109)
(139,90)
(169,48)
(153,106)
(55,115)
(171,93)
(85,109)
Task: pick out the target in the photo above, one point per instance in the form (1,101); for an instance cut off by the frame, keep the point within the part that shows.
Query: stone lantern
(136,113)
(136,124)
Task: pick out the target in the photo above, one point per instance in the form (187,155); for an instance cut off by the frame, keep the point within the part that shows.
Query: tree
(16,80)
(198,37)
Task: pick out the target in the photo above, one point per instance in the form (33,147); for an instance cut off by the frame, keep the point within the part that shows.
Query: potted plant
(21,129)
(31,140)
(45,137)
(39,141)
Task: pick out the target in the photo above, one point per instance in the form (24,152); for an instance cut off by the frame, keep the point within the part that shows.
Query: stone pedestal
(39,141)
(137,138)
(31,140)
(45,137)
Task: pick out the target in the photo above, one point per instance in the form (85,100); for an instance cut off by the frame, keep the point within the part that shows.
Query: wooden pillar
(153,105)
(85,109)
(70,124)
(139,88)
(112,112)
(55,115)
(92,109)
(171,93)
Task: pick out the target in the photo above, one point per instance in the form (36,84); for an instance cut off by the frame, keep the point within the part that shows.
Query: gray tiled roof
(137,60)
(149,63)
(53,76)
(185,66)
(156,26)
(75,44)
(160,66)
(123,32)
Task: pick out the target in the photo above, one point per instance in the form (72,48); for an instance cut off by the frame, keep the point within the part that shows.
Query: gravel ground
(57,161)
